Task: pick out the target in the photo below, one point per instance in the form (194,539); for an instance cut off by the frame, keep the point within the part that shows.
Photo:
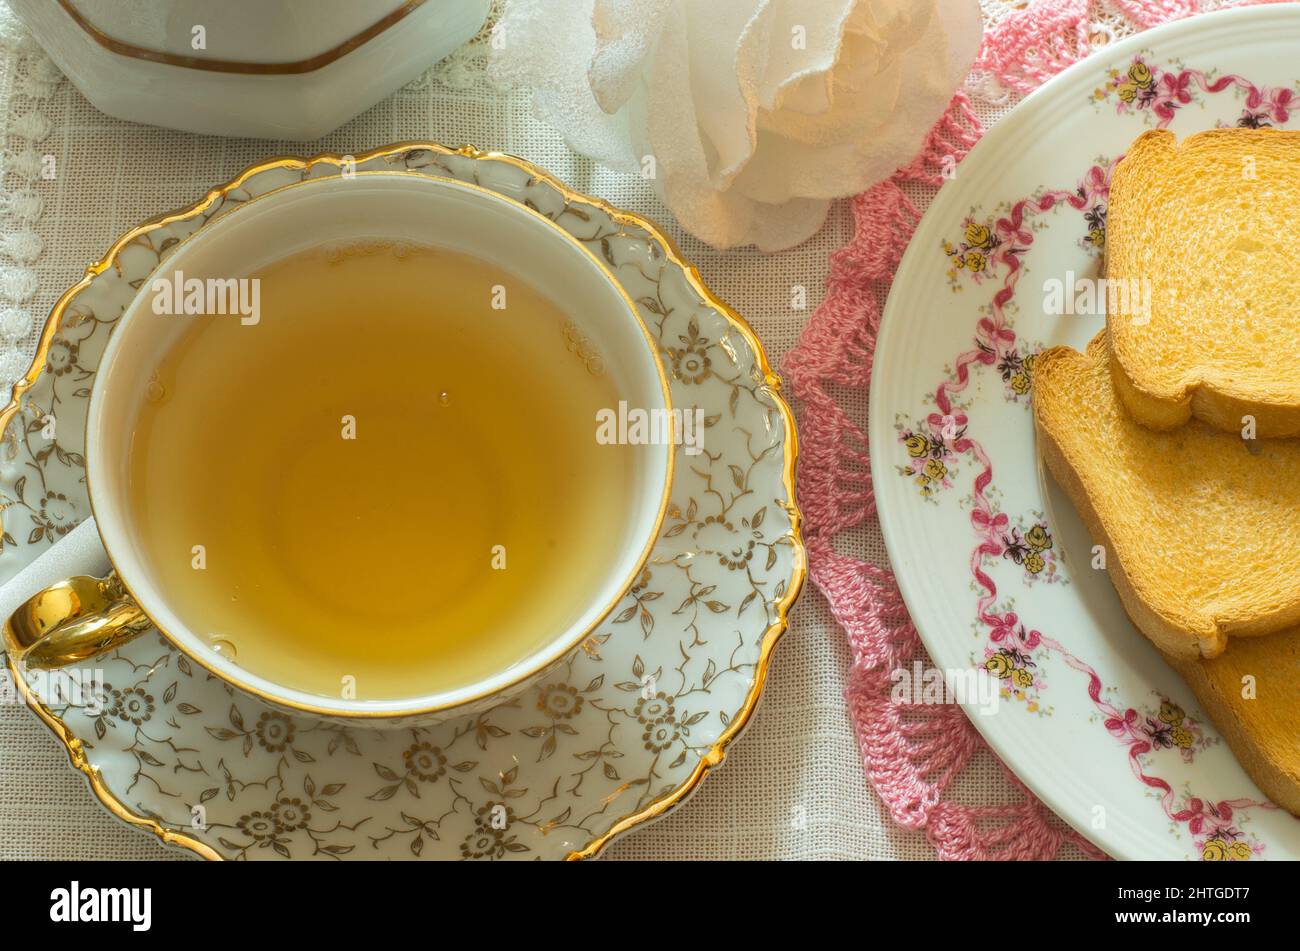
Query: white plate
(1082,726)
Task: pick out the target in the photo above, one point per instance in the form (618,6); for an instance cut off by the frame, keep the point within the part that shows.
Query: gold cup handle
(72,621)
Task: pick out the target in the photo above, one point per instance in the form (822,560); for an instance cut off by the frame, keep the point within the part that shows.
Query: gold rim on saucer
(799,567)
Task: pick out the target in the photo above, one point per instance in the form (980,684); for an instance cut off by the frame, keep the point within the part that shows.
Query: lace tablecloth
(793,786)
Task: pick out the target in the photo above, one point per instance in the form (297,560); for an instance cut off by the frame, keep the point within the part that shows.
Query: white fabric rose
(751,114)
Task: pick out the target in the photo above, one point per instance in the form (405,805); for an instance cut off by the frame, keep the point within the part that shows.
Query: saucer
(620,733)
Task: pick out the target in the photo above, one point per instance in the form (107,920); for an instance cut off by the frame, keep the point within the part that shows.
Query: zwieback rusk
(1199,525)
(1204,231)
(1252,693)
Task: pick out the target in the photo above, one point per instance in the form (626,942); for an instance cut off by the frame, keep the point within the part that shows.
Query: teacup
(74,620)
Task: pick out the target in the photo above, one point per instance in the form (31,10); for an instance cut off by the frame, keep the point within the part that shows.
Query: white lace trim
(27,79)
(464,68)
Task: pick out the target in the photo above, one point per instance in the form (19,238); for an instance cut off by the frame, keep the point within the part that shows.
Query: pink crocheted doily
(914,752)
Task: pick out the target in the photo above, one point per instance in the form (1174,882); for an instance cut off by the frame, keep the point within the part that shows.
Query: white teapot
(292,69)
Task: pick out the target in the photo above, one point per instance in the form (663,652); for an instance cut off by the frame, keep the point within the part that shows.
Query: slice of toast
(1198,239)
(1198,525)
(1259,716)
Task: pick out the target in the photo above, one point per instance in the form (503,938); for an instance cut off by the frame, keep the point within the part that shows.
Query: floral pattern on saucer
(621,731)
